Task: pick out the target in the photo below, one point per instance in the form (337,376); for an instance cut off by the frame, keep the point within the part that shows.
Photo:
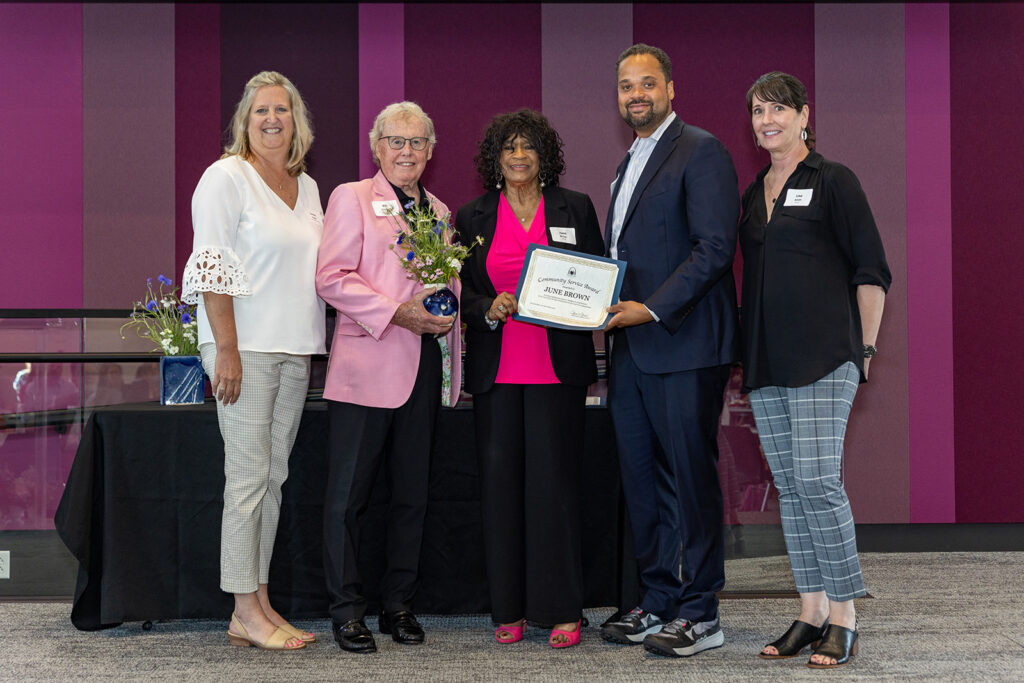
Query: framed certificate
(567,289)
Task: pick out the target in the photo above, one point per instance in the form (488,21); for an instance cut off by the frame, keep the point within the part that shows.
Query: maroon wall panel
(717,52)
(463,65)
(986,86)
(197,113)
(316,46)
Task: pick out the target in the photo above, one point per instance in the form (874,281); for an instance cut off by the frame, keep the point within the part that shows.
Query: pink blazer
(372,363)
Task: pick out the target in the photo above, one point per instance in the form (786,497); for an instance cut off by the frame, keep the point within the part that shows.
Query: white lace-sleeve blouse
(249,245)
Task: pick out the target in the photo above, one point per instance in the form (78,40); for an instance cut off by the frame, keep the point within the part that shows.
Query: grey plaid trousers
(801,431)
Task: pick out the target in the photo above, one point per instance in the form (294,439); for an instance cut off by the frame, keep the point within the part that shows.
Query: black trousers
(666,427)
(360,439)
(530,440)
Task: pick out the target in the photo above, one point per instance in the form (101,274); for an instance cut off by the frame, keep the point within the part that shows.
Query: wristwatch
(869,351)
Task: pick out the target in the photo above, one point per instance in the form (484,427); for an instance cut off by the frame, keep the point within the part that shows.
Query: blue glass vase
(441,302)
(182,380)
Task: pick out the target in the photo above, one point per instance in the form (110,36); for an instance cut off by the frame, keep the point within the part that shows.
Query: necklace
(773,195)
(264,172)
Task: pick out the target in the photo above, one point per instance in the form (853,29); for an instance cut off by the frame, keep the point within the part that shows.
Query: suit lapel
(615,195)
(556,214)
(484,220)
(666,145)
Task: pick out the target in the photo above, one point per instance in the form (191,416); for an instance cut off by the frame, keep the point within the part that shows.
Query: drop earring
(803,134)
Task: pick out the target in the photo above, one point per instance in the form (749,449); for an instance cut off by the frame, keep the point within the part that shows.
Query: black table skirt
(142,514)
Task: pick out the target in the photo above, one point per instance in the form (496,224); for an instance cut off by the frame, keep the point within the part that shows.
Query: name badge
(388,207)
(798,197)
(564,235)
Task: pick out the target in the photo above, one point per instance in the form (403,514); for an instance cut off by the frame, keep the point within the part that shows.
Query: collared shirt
(639,153)
(404,199)
(801,270)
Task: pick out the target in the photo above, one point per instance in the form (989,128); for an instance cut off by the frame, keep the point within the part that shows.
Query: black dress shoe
(402,626)
(353,636)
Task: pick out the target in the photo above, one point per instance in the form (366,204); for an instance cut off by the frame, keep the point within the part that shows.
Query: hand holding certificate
(567,289)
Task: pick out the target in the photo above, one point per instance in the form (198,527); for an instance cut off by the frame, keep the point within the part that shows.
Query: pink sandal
(515,631)
(573,636)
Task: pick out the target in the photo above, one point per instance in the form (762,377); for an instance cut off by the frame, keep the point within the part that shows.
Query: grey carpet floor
(932,616)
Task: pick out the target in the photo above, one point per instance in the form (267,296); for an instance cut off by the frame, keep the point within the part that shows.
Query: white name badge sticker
(564,235)
(388,207)
(798,197)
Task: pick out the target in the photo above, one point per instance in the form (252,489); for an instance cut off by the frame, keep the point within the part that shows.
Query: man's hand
(627,314)
(412,316)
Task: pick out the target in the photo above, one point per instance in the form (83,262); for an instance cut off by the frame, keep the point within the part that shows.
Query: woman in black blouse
(814,283)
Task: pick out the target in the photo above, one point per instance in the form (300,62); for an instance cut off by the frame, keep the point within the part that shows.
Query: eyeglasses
(398,142)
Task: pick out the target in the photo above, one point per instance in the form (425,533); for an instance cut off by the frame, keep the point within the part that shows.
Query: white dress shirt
(639,153)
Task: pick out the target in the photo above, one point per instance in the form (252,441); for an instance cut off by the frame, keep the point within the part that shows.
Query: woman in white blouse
(257,220)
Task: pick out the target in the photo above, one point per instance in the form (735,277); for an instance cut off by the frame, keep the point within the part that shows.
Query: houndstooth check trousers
(259,431)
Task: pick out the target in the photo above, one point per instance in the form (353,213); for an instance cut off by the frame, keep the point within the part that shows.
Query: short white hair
(398,110)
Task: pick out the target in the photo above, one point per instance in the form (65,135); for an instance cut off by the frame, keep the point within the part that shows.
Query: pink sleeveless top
(525,357)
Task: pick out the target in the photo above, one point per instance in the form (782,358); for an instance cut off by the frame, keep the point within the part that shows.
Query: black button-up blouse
(801,270)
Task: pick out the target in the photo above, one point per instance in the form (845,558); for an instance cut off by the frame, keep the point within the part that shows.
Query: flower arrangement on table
(162,318)
(171,325)
(428,252)
(426,247)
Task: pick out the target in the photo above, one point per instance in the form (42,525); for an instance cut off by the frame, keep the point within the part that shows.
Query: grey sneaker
(682,638)
(632,628)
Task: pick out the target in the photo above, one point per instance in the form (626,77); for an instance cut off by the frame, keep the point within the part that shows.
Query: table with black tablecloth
(142,511)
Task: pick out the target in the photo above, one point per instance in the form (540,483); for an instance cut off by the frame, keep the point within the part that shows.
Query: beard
(643,120)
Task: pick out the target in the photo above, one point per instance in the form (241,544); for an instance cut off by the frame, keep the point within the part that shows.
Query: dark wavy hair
(776,86)
(533,126)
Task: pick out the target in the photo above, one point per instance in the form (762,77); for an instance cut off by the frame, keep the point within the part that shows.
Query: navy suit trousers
(666,426)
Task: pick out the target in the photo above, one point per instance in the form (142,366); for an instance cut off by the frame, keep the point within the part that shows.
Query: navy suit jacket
(572,352)
(679,239)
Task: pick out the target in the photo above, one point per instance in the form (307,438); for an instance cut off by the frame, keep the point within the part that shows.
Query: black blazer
(572,353)
(679,240)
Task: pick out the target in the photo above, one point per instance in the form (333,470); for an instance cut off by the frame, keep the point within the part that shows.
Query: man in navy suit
(673,337)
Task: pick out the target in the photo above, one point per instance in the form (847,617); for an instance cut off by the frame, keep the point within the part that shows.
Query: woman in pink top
(529,382)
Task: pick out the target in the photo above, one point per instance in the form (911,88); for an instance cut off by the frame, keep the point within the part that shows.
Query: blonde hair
(302,137)
(398,110)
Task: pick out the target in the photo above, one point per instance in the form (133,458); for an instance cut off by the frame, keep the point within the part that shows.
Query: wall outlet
(5,564)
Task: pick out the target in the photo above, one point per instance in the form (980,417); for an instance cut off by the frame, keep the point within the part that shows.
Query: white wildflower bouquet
(426,246)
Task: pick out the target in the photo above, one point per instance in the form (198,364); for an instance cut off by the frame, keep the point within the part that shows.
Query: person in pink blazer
(384,379)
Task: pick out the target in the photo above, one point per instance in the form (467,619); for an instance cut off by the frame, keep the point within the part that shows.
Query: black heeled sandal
(839,643)
(793,641)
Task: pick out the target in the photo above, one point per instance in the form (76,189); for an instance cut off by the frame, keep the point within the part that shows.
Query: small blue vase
(441,302)
(182,380)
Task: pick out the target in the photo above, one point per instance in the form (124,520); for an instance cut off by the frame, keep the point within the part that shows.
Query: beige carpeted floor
(933,616)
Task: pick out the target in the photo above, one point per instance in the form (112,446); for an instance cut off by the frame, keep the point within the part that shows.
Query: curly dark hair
(533,126)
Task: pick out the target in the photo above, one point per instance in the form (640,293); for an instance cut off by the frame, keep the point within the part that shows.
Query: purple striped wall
(861,122)
(580,44)
(929,266)
(381,69)
(41,139)
(463,65)
(128,148)
(139,95)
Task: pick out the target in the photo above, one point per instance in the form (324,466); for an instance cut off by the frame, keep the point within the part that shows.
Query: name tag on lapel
(388,207)
(564,235)
(798,197)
